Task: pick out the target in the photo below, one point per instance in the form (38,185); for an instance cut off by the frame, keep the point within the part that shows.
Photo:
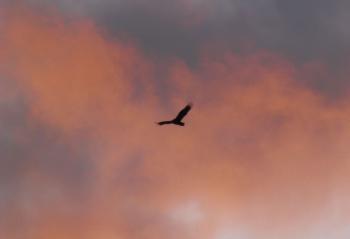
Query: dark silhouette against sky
(178,119)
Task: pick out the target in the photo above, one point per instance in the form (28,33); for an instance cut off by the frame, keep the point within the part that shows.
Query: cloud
(298,29)
(261,150)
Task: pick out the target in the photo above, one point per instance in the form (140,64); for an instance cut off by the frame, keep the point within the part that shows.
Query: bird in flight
(179,117)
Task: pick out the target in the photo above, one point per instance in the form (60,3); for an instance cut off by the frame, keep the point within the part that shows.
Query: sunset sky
(265,153)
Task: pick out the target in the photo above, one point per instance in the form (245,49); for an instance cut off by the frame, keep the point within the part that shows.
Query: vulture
(178,119)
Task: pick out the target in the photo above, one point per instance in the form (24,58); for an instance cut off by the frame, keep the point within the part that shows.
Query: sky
(265,150)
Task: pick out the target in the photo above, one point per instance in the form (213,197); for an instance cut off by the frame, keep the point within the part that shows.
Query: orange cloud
(261,156)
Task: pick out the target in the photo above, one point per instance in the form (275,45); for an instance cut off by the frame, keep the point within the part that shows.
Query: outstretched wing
(164,122)
(183,112)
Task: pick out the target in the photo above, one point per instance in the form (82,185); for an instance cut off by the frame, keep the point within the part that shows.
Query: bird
(178,119)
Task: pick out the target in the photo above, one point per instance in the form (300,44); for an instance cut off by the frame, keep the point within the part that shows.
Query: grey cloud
(36,165)
(302,30)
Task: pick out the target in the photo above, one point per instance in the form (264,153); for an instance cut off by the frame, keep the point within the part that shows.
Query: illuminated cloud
(188,213)
(301,30)
(262,154)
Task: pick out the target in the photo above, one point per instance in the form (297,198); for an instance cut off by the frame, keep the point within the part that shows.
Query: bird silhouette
(179,117)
